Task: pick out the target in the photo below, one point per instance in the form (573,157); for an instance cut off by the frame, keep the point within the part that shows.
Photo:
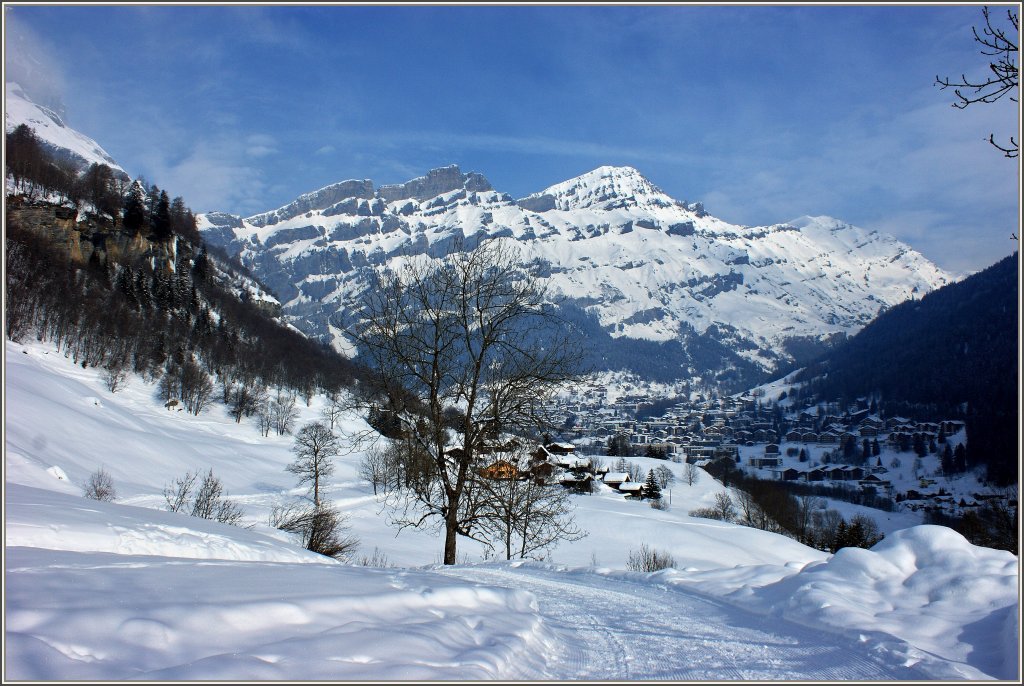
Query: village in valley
(854,453)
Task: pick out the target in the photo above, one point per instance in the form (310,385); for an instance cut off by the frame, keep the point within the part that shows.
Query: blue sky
(764,113)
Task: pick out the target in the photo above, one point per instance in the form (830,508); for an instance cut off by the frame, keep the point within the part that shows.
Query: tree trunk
(450,533)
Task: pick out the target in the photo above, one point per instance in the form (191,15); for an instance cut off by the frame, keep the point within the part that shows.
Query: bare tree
(464,347)
(522,516)
(1002,77)
(100,486)
(264,418)
(115,375)
(724,506)
(752,514)
(208,501)
(665,476)
(334,409)
(648,559)
(803,517)
(179,494)
(321,528)
(283,412)
(826,524)
(692,473)
(245,398)
(315,448)
(375,468)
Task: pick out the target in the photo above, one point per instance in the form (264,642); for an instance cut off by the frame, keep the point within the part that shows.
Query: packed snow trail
(615,629)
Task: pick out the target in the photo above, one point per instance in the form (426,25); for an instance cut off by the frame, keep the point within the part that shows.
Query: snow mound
(927,586)
(39,518)
(152,618)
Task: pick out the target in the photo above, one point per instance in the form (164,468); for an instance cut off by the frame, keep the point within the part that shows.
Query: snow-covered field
(127,590)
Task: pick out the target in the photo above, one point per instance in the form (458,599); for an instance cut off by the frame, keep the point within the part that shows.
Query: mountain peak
(606,187)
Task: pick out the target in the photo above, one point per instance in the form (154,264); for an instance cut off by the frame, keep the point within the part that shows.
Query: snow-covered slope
(646,265)
(51,129)
(126,590)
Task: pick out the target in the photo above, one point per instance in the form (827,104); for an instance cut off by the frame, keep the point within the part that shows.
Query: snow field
(127,590)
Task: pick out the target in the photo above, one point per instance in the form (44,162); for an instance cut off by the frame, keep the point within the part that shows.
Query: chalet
(794,436)
(615,479)
(541,454)
(853,473)
(560,448)
(873,481)
(867,431)
(790,474)
(541,471)
(771,449)
(578,483)
(765,461)
(859,416)
(809,437)
(500,469)
(632,489)
(828,437)
(836,473)
(951,427)
(815,474)
(873,421)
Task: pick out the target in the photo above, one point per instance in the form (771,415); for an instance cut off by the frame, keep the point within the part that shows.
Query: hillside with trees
(951,353)
(113,273)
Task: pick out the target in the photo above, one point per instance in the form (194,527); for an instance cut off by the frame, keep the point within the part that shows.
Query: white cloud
(212,175)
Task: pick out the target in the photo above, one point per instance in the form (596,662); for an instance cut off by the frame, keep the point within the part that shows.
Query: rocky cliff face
(636,264)
(86,237)
(436,182)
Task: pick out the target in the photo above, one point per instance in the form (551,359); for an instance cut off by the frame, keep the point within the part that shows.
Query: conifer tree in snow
(134,213)
(652,489)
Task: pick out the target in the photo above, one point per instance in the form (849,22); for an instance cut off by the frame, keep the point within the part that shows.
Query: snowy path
(613,629)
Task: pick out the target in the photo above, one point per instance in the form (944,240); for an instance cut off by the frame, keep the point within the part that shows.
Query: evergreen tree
(948,467)
(652,489)
(152,200)
(919,445)
(134,216)
(960,458)
(875,448)
(161,221)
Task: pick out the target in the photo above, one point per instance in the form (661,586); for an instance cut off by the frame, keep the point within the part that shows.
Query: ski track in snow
(669,634)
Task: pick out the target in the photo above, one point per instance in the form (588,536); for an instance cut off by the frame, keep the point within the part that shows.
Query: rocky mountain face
(656,285)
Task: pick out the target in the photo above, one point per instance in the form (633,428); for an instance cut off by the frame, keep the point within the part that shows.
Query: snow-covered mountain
(51,129)
(640,264)
(706,298)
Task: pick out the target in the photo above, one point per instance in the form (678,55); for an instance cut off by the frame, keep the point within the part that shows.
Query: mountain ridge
(718,300)
(648,266)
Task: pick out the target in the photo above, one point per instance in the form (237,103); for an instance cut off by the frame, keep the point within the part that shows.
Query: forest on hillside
(951,353)
(116,276)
